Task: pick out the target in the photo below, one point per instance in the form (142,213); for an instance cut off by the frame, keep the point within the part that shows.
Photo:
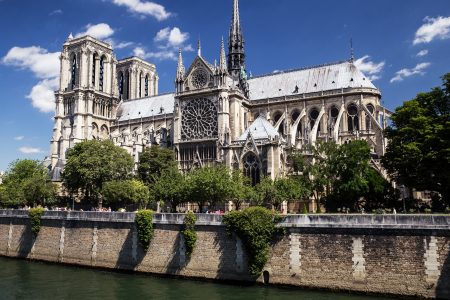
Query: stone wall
(385,254)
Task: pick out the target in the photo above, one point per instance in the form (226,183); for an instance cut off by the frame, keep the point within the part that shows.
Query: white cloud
(19,138)
(30,150)
(370,68)
(121,45)
(36,59)
(144,8)
(172,37)
(417,70)
(42,94)
(56,12)
(434,28)
(422,53)
(98,31)
(160,55)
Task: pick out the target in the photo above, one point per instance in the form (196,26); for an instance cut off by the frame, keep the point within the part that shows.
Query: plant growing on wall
(189,234)
(255,226)
(144,225)
(35,215)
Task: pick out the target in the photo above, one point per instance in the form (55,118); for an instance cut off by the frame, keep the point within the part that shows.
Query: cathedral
(217,113)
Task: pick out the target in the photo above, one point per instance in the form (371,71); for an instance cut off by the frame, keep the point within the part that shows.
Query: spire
(236,56)
(222,60)
(199,48)
(180,66)
(352,56)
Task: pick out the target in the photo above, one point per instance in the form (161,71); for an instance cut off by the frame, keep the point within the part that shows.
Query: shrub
(255,226)
(305,210)
(144,224)
(189,234)
(35,215)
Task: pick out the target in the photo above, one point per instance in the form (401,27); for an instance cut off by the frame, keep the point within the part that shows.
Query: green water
(21,279)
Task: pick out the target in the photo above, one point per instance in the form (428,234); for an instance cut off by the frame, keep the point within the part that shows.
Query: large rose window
(198,119)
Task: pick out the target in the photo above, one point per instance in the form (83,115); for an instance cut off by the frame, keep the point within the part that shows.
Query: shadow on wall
(443,285)
(26,239)
(127,260)
(175,266)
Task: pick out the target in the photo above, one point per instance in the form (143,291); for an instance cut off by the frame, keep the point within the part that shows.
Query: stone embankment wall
(386,254)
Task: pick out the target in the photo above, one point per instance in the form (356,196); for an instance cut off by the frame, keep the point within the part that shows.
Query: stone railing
(391,221)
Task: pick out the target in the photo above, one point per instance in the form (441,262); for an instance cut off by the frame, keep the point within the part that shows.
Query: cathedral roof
(308,80)
(146,107)
(261,129)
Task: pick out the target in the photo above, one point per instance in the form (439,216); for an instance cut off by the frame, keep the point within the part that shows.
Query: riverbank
(402,255)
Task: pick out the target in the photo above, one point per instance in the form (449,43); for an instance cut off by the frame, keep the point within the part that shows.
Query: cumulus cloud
(422,53)
(370,68)
(168,41)
(403,73)
(434,28)
(30,150)
(98,31)
(19,138)
(45,66)
(121,45)
(144,8)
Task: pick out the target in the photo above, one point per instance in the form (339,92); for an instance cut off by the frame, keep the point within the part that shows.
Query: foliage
(241,189)
(153,162)
(380,193)
(255,226)
(27,182)
(92,163)
(189,234)
(274,192)
(418,154)
(209,185)
(35,215)
(171,187)
(121,193)
(305,209)
(144,225)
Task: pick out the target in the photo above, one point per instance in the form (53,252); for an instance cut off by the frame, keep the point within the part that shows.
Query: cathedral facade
(217,113)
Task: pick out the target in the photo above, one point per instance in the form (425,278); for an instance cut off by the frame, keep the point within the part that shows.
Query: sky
(403,46)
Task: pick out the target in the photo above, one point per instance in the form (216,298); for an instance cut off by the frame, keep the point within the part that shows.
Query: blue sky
(403,46)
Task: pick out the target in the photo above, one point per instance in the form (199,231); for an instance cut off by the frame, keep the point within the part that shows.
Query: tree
(209,185)
(241,189)
(153,161)
(27,182)
(418,153)
(92,163)
(171,188)
(126,192)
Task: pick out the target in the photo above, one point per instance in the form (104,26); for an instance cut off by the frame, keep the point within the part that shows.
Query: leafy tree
(171,188)
(265,192)
(380,193)
(153,161)
(92,163)
(27,182)
(125,192)
(209,185)
(241,189)
(418,154)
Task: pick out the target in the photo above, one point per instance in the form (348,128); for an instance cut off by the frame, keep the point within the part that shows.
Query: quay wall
(403,255)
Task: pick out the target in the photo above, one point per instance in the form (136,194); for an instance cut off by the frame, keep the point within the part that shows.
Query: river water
(20,279)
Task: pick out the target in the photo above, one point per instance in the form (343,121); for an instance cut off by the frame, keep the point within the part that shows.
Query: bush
(255,226)
(144,224)
(189,234)
(35,215)
(305,210)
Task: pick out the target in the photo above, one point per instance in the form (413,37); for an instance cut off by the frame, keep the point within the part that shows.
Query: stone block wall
(401,256)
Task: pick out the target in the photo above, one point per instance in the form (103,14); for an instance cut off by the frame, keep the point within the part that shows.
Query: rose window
(198,119)
(199,78)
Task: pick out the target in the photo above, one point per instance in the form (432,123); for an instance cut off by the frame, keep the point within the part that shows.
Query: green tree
(241,189)
(92,163)
(125,192)
(27,182)
(209,185)
(418,153)
(153,161)
(171,188)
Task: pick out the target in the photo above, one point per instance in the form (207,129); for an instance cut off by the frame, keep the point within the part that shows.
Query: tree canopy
(122,193)
(153,161)
(92,163)
(418,153)
(171,188)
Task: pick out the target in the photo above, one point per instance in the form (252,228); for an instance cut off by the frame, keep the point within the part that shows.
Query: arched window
(313,115)
(94,68)
(146,85)
(74,71)
(371,109)
(334,113)
(127,85)
(121,79)
(353,120)
(252,168)
(294,116)
(102,72)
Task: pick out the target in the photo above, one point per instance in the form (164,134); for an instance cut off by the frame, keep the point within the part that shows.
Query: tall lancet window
(94,69)
(102,70)
(121,85)
(146,85)
(74,71)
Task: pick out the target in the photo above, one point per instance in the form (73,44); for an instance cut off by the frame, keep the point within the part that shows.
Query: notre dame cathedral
(217,113)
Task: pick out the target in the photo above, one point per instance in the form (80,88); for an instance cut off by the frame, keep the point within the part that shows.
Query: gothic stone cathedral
(217,113)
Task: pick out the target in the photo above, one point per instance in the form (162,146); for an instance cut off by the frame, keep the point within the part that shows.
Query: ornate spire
(180,66)
(199,48)
(236,56)
(222,60)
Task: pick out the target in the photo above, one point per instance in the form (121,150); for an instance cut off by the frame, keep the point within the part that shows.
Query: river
(20,279)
